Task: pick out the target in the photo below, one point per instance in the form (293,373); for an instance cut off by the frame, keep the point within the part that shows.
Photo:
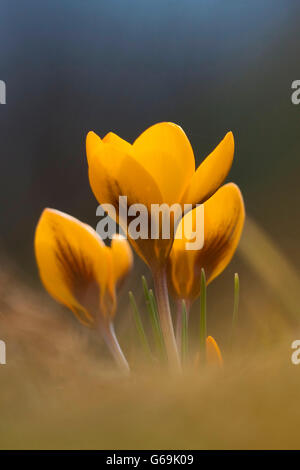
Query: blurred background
(71,66)
(211,66)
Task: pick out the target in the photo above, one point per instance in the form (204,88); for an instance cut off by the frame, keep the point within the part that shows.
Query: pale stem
(162,297)
(203,328)
(108,332)
(179,320)
(236,293)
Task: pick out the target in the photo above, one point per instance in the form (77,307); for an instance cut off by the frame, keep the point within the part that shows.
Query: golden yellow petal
(113,173)
(122,258)
(211,172)
(73,263)
(224,216)
(213,353)
(181,276)
(93,143)
(166,153)
(121,144)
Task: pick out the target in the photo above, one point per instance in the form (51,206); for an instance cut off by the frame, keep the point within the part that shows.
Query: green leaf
(154,318)
(139,325)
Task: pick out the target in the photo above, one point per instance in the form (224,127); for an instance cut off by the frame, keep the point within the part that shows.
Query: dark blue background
(121,65)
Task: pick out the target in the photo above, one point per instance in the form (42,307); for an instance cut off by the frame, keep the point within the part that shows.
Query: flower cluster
(81,272)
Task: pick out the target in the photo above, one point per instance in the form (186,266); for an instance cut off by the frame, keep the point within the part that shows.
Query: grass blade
(154,319)
(156,324)
(139,325)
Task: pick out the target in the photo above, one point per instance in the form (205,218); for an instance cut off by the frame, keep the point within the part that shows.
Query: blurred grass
(60,388)
(272,267)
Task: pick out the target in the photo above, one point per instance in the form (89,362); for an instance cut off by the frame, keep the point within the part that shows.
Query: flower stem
(161,292)
(203,333)
(184,333)
(108,332)
(236,292)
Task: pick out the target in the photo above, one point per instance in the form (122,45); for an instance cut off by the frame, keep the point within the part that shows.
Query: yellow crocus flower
(80,272)
(224,216)
(158,168)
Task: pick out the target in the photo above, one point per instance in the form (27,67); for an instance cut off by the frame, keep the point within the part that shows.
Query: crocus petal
(93,144)
(181,265)
(113,173)
(122,258)
(121,144)
(224,216)
(166,153)
(213,353)
(74,264)
(211,172)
